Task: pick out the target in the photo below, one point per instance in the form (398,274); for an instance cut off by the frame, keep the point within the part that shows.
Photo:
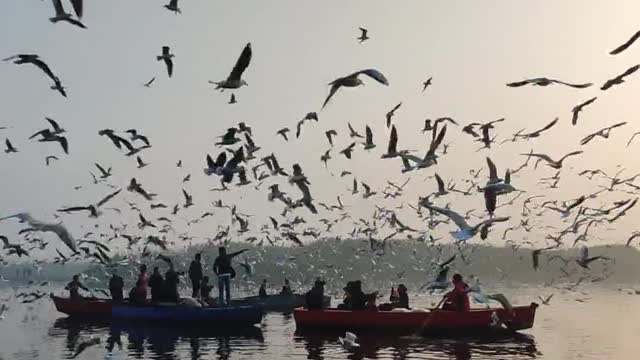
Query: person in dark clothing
(195,275)
(74,286)
(116,288)
(205,291)
(138,294)
(262,293)
(156,283)
(286,288)
(315,297)
(171,281)
(403,298)
(225,272)
(359,298)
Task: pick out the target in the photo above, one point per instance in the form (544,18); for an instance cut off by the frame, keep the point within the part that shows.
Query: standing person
(262,293)
(171,281)
(195,275)
(116,288)
(143,277)
(157,286)
(223,269)
(74,286)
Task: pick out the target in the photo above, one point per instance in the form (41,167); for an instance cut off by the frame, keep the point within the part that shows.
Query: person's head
(222,250)
(143,268)
(456,278)
(156,270)
(286,281)
(319,283)
(76,277)
(205,280)
(198,257)
(264,281)
(402,289)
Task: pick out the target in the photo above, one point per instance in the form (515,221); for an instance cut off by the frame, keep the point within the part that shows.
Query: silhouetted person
(315,297)
(205,291)
(171,281)
(262,293)
(156,283)
(74,286)
(138,294)
(195,275)
(116,288)
(286,288)
(225,272)
(458,298)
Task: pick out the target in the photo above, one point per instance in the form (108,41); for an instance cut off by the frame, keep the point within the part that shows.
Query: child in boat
(458,298)
(74,286)
(262,293)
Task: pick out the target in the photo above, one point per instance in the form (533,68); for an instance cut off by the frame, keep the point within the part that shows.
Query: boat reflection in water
(319,345)
(166,341)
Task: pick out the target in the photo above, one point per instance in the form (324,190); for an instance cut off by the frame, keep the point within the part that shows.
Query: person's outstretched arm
(237,253)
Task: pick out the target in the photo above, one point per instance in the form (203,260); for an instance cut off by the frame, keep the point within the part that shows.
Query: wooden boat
(89,308)
(223,316)
(435,322)
(279,302)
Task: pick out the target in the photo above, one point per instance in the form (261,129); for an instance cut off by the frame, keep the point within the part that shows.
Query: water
(604,326)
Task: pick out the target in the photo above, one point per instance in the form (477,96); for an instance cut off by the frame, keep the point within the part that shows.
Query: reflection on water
(519,346)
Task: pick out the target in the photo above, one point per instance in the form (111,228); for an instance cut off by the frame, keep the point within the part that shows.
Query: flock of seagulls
(243,165)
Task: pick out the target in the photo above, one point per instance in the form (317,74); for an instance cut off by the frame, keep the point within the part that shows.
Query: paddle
(426,323)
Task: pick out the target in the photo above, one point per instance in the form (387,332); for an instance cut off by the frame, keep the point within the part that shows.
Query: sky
(471,49)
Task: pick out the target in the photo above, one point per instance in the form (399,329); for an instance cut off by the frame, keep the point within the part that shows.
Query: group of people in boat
(286,289)
(165,288)
(356,299)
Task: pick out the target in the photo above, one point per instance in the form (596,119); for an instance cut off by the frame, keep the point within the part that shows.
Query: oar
(426,323)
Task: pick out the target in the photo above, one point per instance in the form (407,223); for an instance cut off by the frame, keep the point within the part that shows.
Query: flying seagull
(92,209)
(330,134)
(620,78)
(363,35)
(48,159)
(576,110)
(626,45)
(234,80)
(40,226)
(353,81)
(148,84)
(232,100)
(33,59)
(9,149)
(167,58)
(391,113)
(61,15)
(173,6)
(552,163)
(584,260)
(426,84)
(48,136)
(353,133)
(465,231)
(546,82)
(368,145)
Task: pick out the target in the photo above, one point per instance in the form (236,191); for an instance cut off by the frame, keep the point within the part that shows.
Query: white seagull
(352,80)
(465,231)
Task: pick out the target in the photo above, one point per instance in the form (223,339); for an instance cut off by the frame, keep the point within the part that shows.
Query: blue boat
(232,316)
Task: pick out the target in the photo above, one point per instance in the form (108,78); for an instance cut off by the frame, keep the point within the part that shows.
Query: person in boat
(116,288)
(138,294)
(403,298)
(458,298)
(262,293)
(74,287)
(156,283)
(143,276)
(171,281)
(195,275)
(286,288)
(205,291)
(354,297)
(225,272)
(315,297)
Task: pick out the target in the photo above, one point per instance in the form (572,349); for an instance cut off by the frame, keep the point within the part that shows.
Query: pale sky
(471,49)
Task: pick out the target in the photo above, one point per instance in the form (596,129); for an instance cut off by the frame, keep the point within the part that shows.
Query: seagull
(552,163)
(363,35)
(135,136)
(349,341)
(330,134)
(392,147)
(545,301)
(326,157)
(148,83)
(368,144)
(430,158)
(576,110)
(144,223)
(188,199)
(426,84)
(250,146)
(229,138)
(61,15)
(92,209)
(584,260)
(347,151)
(48,159)
(33,59)
(283,132)
(103,173)
(620,78)
(352,80)
(441,188)
(235,81)
(135,186)
(567,208)
(9,147)
(545,82)
(391,113)
(632,137)
(602,133)
(166,57)
(57,129)
(626,45)
(465,231)
(353,133)
(367,191)
(40,226)
(232,100)
(141,163)
(173,6)
(48,136)
(535,134)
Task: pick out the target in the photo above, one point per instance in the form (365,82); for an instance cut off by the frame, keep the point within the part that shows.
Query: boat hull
(225,316)
(277,302)
(90,308)
(476,321)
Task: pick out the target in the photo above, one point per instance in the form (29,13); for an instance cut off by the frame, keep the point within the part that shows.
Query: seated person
(371,301)
(116,286)
(354,298)
(286,288)
(403,298)
(138,294)
(74,286)
(315,297)
(458,298)
(156,283)
(262,293)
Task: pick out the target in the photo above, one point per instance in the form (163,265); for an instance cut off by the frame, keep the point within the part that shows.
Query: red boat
(434,322)
(86,308)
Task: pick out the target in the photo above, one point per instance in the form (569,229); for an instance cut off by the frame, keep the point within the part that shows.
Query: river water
(592,324)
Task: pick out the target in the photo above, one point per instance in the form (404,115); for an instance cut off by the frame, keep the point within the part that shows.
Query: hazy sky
(470,48)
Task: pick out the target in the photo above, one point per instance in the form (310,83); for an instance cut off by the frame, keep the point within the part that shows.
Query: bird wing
(334,87)
(626,45)
(54,124)
(374,74)
(576,86)
(629,71)
(369,134)
(570,154)
(44,67)
(437,141)
(519,83)
(454,216)
(101,169)
(549,125)
(64,143)
(440,183)
(169,63)
(74,209)
(241,64)
(108,197)
(541,156)
(77,7)
(299,128)
(364,32)
(393,141)
(449,261)
(493,172)
(57,6)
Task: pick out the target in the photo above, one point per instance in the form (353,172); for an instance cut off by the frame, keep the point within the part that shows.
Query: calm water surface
(605,326)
